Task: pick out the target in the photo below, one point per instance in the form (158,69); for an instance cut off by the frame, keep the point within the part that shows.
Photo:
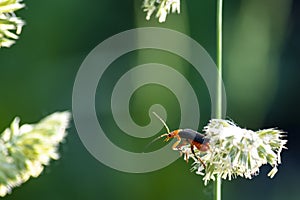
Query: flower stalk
(219,18)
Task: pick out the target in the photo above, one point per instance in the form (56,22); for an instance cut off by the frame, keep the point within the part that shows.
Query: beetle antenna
(162,121)
(163,135)
(154,140)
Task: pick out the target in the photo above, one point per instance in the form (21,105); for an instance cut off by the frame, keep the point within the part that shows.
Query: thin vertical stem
(219,58)
(217,188)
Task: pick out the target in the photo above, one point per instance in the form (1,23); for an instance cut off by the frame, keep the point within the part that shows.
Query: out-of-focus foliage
(26,149)
(10,24)
(252,47)
(161,7)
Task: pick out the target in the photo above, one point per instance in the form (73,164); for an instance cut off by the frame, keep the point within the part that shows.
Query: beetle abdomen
(192,135)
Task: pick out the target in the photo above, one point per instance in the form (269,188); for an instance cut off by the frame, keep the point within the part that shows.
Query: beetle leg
(174,147)
(183,143)
(192,149)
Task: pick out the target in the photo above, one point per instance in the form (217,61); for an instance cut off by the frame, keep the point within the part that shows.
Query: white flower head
(161,7)
(10,25)
(25,150)
(235,151)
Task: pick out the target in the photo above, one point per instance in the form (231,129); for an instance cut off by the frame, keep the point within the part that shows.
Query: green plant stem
(217,188)
(219,58)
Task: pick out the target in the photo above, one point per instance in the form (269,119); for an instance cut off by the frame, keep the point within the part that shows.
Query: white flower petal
(235,151)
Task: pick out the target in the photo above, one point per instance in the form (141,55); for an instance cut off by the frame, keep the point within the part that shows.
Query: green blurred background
(261,70)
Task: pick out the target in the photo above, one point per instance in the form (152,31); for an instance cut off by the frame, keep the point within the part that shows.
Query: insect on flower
(189,136)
